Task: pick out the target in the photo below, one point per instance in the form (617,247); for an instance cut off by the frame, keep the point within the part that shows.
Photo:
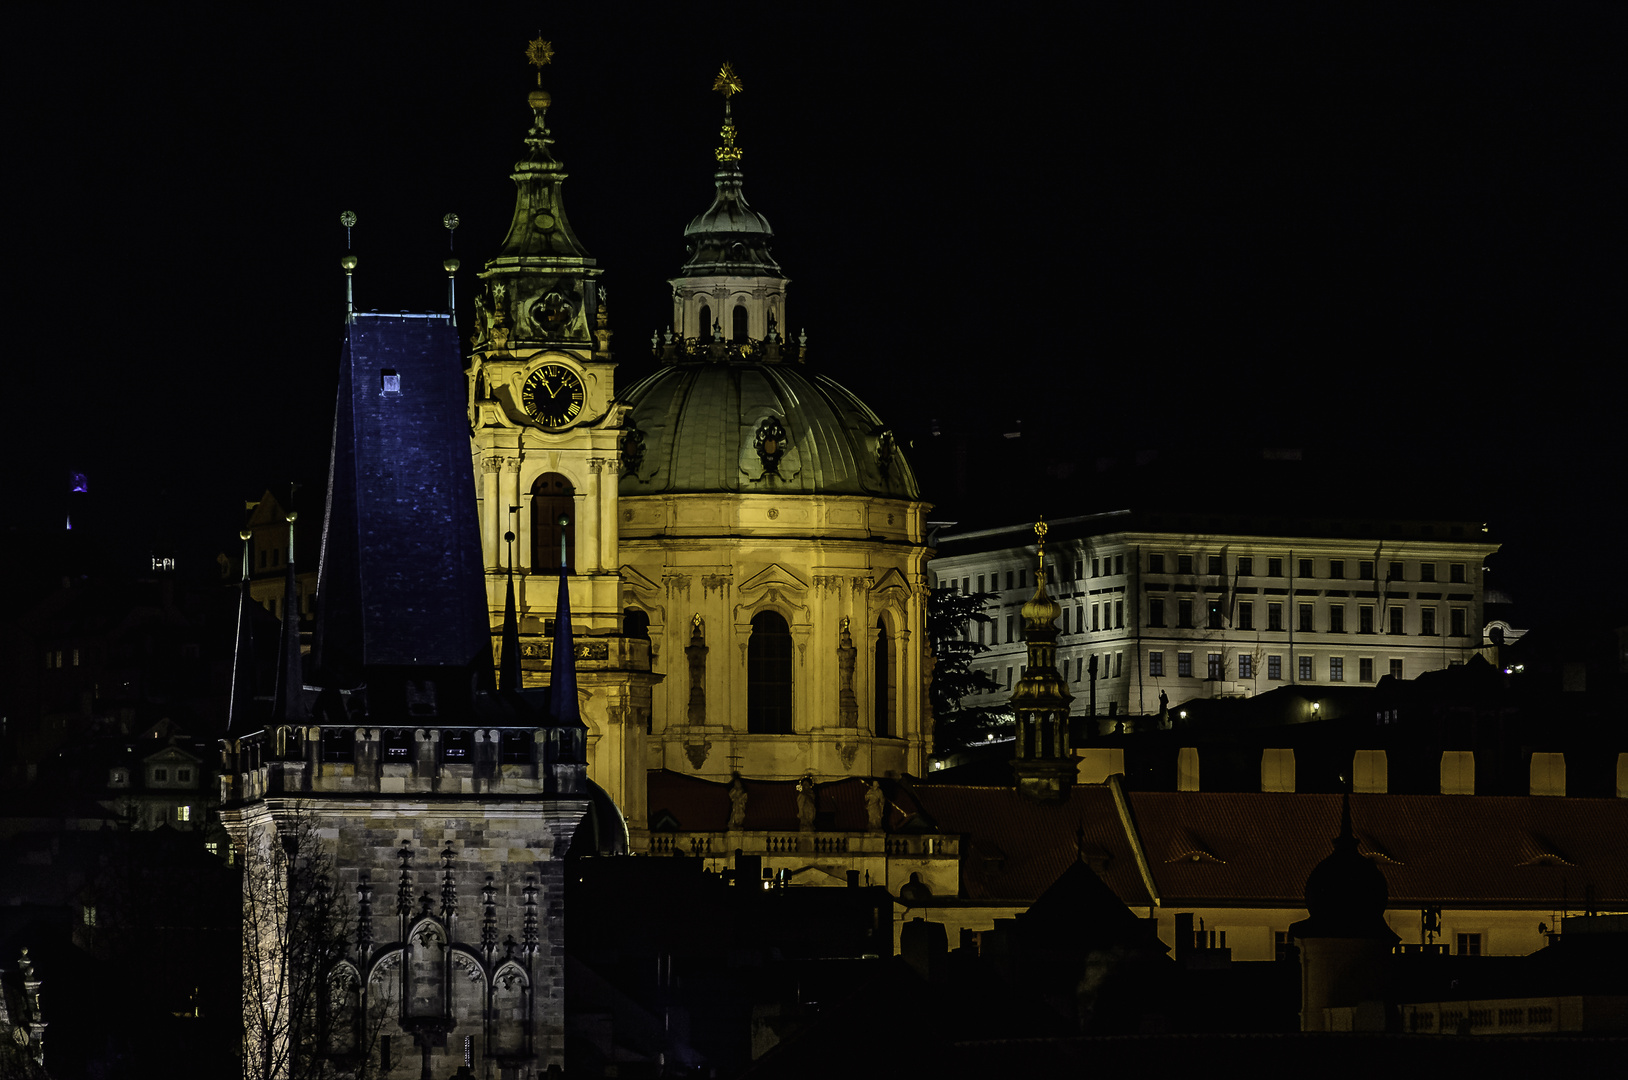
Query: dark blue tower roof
(401,581)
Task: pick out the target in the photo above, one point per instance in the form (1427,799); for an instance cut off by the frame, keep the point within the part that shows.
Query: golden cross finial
(539,54)
(727,83)
(1040,532)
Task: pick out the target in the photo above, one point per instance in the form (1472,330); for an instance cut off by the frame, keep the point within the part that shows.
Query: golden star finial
(539,54)
(727,83)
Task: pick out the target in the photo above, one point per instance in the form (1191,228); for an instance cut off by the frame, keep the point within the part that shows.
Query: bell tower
(1043,765)
(545,436)
(731,289)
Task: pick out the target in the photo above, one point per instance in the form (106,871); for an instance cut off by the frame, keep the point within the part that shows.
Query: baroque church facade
(745,538)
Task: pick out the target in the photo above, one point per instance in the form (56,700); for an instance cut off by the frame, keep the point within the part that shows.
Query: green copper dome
(742,426)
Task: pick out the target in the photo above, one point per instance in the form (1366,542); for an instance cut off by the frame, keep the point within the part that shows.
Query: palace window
(1246,566)
(1215,614)
(1365,669)
(1469,944)
(1455,573)
(1156,664)
(1397,621)
(1274,616)
(1274,667)
(1336,568)
(1184,564)
(768,675)
(1213,668)
(1184,664)
(1246,666)
(1336,669)
(1427,571)
(1396,669)
(1397,572)
(1119,564)
(1336,618)
(1156,563)
(1096,567)
(1456,621)
(1427,621)
(1246,615)
(1305,618)
(1119,614)
(1217,565)
(1365,570)
(1365,619)
(1155,612)
(1305,669)
(1274,567)
(1184,614)
(1305,568)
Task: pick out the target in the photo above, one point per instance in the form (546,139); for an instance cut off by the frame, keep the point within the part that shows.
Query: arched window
(635,624)
(768,676)
(740,323)
(883,683)
(553,497)
(703,332)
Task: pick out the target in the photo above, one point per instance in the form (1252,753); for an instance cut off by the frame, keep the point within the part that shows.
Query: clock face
(553,396)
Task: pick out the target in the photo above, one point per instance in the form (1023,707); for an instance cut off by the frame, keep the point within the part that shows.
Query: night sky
(1390,234)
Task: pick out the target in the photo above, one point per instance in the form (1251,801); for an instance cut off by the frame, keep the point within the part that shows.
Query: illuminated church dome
(753,426)
(770,534)
(733,409)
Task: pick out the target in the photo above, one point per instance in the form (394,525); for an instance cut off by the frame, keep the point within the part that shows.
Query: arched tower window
(883,683)
(552,497)
(703,332)
(768,676)
(739,320)
(635,624)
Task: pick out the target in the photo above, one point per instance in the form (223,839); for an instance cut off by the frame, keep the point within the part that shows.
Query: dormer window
(389,382)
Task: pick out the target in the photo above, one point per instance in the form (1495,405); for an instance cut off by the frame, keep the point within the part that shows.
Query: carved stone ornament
(771,444)
(847,703)
(696,652)
(632,448)
(697,752)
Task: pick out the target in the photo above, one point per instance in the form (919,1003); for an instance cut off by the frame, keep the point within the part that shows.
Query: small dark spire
(290,675)
(237,715)
(563,710)
(509,671)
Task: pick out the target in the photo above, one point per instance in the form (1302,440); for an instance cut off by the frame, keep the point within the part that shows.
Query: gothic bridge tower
(546,444)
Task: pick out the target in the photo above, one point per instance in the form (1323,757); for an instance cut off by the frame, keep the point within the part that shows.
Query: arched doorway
(553,498)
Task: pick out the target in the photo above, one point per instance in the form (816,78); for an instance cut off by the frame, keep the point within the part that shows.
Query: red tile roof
(1015,847)
(1256,849)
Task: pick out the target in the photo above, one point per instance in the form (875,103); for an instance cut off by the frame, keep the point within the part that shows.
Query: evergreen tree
(950,616)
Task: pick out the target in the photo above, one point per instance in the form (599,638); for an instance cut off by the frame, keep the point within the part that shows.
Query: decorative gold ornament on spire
(727,83)
(1040,534)
(539,54)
